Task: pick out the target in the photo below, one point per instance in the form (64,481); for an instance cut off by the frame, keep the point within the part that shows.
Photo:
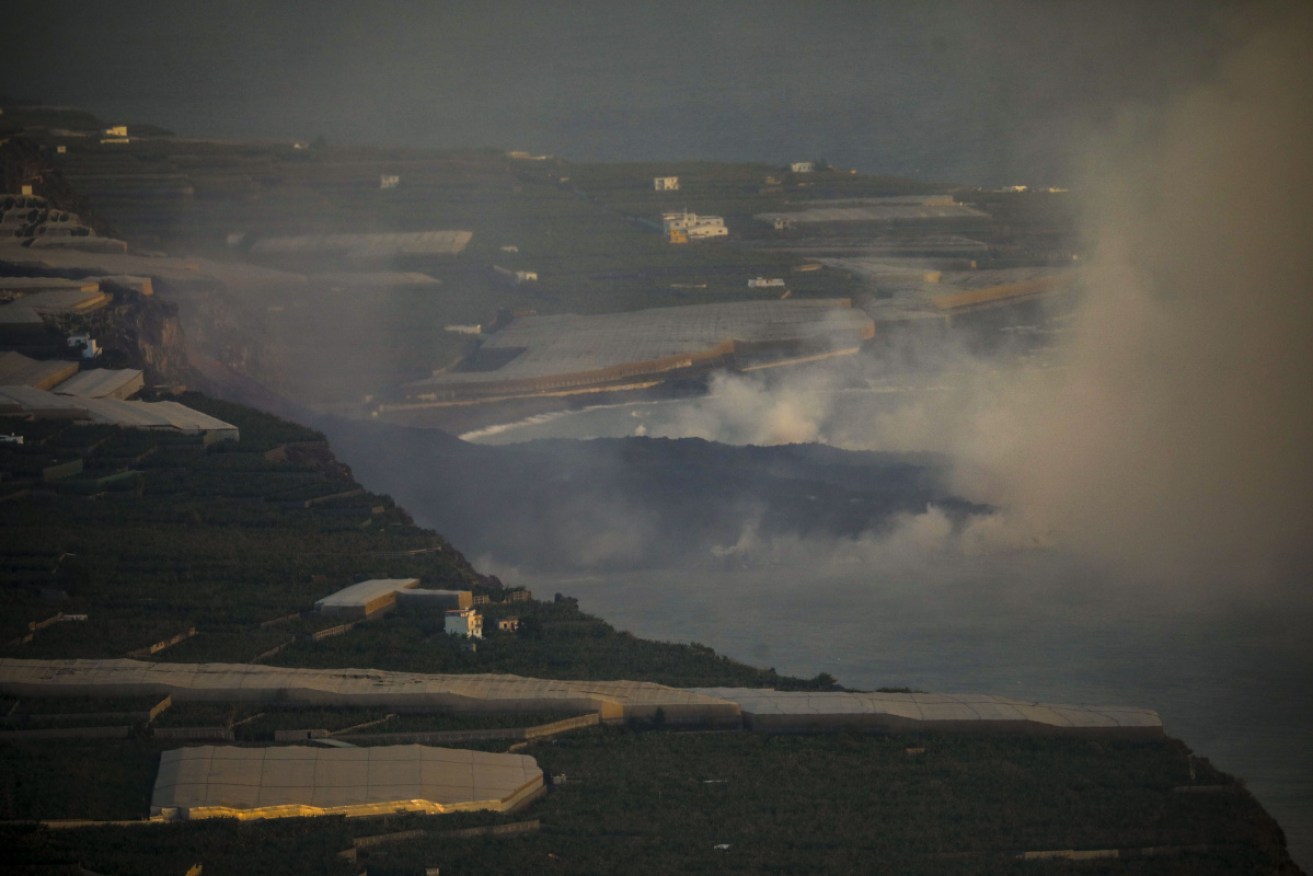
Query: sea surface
(1234,688)
(1229,673)
(991,94)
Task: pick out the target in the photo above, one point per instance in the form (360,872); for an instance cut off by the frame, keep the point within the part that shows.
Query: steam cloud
(1173,438)
(1177,437)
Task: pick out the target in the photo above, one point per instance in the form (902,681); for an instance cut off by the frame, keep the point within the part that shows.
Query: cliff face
(137,330)
(24,161)
(145,332)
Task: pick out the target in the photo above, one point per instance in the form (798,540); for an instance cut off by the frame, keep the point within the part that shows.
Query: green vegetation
(215,537)
(297,845)
(107,779)
(220,538)
(556,640)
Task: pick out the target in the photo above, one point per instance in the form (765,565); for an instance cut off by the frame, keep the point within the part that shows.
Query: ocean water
(1231,681)
(1011,91)
(994,93)
(1229,671)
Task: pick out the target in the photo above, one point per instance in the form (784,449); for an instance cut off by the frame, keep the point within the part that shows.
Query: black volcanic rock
(632,502)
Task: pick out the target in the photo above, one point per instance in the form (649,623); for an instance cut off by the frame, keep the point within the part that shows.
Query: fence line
(115,732)
(296,615)
(265,655)
(519,734)
(224,733)
(157,647)
(329,632)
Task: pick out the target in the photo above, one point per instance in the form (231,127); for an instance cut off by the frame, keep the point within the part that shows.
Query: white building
(665,183)
(765,282)
(517,277)
(366,598)
(89,346)
(388,180)
(443,599)
(691,226)
(803,167)
(464,622)
(708,229)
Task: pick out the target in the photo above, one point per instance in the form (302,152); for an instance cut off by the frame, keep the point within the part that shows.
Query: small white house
(517,277)
(464,622)
(803,167)
(691,226)
(710,226)
(365,598)
(86,344)
(464,329)
(388,180)
(665,183)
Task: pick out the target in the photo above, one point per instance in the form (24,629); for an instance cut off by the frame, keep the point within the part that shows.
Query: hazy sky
(984,92)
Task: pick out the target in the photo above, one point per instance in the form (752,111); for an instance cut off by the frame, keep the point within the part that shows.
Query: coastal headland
(166,553)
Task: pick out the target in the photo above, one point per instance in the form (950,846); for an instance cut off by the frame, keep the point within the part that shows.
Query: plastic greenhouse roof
(934,707)
(302,780)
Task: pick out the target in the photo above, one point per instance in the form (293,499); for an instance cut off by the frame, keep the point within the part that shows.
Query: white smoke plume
(1172,437)
(1178,438)
(740,412)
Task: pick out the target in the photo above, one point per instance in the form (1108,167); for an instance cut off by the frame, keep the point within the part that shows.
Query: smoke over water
(1176,438)
(1148,467)
(1167,435)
